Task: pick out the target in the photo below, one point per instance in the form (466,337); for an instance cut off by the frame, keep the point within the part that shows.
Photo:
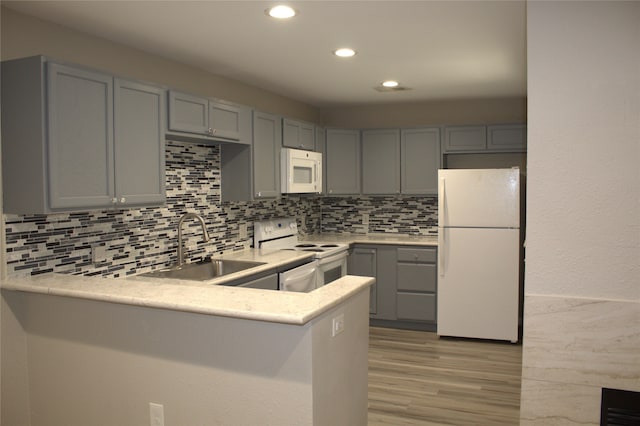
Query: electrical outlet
(365,218)
(338,325)
(98,254)
(242,230)
(156,414)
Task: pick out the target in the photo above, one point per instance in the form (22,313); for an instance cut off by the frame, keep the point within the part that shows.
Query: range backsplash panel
(121,242)
(417,215)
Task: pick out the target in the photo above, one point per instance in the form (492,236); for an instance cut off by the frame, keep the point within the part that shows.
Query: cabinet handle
(122,200)
(210,131)
(114,200)
(259,194)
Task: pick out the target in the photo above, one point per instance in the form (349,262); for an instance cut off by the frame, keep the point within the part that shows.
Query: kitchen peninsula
(208,354)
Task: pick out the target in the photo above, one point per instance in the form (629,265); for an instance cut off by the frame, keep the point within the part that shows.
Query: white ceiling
(438,49)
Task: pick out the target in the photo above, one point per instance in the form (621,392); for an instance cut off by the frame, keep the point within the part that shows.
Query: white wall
(82,362)
(583,230)
(582,283)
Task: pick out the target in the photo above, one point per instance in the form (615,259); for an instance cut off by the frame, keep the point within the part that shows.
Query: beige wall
(24,35)
(81,362)
(582,284)
(461,111)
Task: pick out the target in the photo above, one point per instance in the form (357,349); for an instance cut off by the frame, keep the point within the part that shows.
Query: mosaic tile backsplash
(120,242)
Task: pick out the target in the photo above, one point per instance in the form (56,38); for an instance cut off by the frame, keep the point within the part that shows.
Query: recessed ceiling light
(390,83)
(281,12)
(344,52)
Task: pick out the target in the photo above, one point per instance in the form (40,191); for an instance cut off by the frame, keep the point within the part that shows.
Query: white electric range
(330,258)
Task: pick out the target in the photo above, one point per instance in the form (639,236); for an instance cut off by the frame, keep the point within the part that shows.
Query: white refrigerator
(479,253)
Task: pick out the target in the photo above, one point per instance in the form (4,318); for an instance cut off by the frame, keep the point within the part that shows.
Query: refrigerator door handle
(441,202)
(441,249)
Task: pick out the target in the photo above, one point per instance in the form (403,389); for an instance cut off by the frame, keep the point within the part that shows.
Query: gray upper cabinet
(298,134)
(80,138)
(420,160)
(139,142)
(267,141)
(511,137)
(478,139)
(188,113)
(342,161)
(381,161)
(465,138)
(73,139)
(210,118)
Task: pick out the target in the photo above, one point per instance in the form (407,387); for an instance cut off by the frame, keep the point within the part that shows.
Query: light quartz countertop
(205,297)
(212,298)
(375,238)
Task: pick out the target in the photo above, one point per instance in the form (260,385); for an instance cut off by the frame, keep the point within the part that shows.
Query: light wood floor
(416,378)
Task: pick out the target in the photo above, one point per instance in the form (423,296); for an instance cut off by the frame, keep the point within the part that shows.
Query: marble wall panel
(573,347)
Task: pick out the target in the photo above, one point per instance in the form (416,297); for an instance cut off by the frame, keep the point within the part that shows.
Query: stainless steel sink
(204,270)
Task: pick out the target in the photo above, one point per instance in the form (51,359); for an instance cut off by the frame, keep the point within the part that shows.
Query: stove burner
(328,245)
(306,245)
(319,250)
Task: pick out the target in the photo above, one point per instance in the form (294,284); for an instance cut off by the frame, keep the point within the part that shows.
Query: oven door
(331,268)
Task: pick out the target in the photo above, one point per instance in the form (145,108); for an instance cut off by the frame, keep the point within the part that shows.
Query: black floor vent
(619,408)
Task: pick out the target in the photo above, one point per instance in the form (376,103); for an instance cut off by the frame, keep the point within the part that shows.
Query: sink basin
(204,270)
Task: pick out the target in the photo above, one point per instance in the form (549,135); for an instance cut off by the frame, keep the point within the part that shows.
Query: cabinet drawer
(417,255)
(416,277)
(415,306)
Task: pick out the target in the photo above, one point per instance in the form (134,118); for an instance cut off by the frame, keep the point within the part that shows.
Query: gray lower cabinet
(416,284)
(270,282)
(362,261)
(381,161)
(342,161)
(70,141)
(213,119)
(419,160)
(298,134)
(406,282)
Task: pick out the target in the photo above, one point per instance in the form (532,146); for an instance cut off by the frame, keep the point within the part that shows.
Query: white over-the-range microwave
(301,171)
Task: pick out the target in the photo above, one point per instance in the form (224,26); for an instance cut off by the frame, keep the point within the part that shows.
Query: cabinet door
(420,160)
(511,137)
(139,143)
(465,138)
(188,113)
(362,262)
(225,120)
(298,134)
(342,161)
(267,139)
(381,161)
(80,138)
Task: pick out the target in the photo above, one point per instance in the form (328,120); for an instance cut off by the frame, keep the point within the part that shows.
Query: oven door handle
(333,258)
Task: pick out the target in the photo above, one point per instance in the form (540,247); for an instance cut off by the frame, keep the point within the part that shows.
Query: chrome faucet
(205,234)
